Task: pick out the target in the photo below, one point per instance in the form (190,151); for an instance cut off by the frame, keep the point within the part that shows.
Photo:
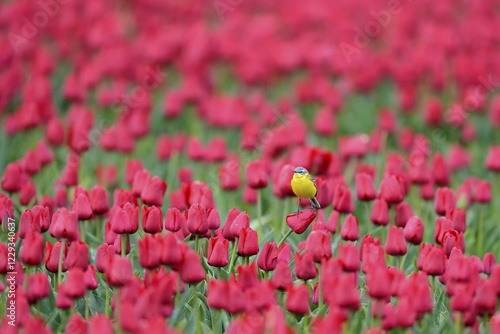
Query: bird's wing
(312,180)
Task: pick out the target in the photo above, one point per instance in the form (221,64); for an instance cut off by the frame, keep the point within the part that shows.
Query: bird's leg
(298,207)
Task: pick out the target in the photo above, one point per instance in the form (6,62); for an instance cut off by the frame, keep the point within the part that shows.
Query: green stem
(285,213)
(458,323)
(107,306)
(87,311)
(368,214)
(401,265)
(124,242)
(82,230)
(233,256)
(198,315)
(290,231)
(479,238)
(178,292)
(60,263)
(197,243)
(259,214)
(320,291)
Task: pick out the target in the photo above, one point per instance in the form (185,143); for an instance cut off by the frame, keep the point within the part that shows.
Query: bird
(303,186)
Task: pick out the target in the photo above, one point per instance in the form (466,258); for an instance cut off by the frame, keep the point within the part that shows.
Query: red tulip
(73,286)
(125,219)
(27,193)
(90,278)
(257,175)
(395,244)
(101,324)
(76,324)
(118,271)
(213,219)
(403,213)
(229,174)
(99,200)
(492,160)
(299,222)
(297,300)
(282,276)
(218,252)
(52,254)
(12,177)
(342,201)
(149,251)
(38,287)
(31,252)
(153,191)
(102,257)
(445,201)
(81,205)
(319,244)
(380,212)
(482,193)
(174,220)
(304,265)
(131,168)
(141,178)
(78,256)
(440,171)
(414,230)
(342,292)
(489,262)
(349,256)
(197,219)
(152,220)
(433,261)
(248,243)
(350,230)
(443,225)
(452,239)
(392,190)
(64,225)
(171,254)
(365,187)
(191,270)
(54,132)
(458,217)
(268,257)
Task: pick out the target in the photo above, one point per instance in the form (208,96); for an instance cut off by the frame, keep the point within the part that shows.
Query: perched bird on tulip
(304,187)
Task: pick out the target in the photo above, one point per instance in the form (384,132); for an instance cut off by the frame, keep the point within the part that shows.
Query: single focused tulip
(380,212)
(152,220)
(78,256)
(350,229)
(197,219)
(268,257)
(218,252)
(154,191)
(395,244)
(257,175)
(149,251)
(248,243)
(52,254)
(31,252)
(300,221)
(297,300)
(118,271)
(174,220)
(305,268)
(320,245)
(365,187)
(342,200)
(64,225)
(414,230)
(99,200)
(445,201)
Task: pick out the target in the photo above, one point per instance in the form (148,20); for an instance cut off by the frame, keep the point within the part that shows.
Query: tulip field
(147,149)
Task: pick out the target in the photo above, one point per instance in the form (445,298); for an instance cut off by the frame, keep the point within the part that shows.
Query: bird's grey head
(300,170)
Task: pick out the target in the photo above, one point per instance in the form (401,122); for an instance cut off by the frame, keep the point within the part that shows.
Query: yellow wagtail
(304,187)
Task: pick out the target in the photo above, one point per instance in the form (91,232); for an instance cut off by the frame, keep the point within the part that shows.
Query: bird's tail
(315,203)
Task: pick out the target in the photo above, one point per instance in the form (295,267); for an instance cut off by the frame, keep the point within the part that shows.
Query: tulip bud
(154,191)
(38,287)
(64,225)
(282,277)
(350,230)
(78,256)
(299,222)
(81,205)
(197,219)
(191,270)
(118,271)
(304,265)
(248,243)
(365,188)
(342,200)
(149,251)
(52,254)
(297,300)
(31,252)
(174,220)
(380,212)
(349,256)
(218,252)
(320,245)
(414,230)
(268,257)
(152,220)
(99,200)
(395,244)
(492,160)
(445,201)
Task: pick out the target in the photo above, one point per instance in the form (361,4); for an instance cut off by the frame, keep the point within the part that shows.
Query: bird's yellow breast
(303,186)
